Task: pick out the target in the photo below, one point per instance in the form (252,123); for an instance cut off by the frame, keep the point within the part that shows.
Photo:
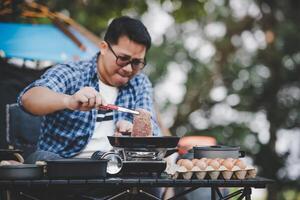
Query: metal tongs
(118,108)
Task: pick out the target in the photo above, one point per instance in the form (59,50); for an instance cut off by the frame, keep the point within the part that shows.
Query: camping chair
(22,129)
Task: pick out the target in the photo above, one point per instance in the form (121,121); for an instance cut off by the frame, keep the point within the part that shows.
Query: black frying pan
(143,142)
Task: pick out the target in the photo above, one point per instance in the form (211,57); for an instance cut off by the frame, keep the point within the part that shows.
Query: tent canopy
(43,42)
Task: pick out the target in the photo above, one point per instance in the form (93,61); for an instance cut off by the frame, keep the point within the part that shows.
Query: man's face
(111,64)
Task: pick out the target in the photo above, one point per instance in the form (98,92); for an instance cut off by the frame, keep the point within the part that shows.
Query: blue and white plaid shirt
(67,132)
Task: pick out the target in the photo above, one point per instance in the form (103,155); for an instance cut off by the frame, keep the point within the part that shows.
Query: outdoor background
(227,69)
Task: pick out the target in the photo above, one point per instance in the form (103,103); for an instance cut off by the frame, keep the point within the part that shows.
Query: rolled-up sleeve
(58,79)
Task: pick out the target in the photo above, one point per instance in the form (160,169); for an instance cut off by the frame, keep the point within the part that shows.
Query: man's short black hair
(134,29)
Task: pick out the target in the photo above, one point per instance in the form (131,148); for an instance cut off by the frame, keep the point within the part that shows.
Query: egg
(208,160)
(214,164)
(201,164)
(240,164)
(187,164)
(194,161)
(221,160)
(203,159)
(179,161)
(228,164)
(230,159)
(234,160)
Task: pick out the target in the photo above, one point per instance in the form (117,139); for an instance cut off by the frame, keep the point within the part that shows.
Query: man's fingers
(85,105)
(118,134)
(122,129)
(130,129)
(100,100)
(91,96)
(88,98)
(82,98)
(124,126)
(92,102)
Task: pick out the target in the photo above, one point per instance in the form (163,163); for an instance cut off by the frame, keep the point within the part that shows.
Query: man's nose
(128,68)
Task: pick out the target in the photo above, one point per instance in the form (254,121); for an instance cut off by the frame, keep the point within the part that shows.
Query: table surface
(258,182)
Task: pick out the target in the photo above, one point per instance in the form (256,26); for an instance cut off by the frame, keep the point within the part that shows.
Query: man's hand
(85,99)
(122,127)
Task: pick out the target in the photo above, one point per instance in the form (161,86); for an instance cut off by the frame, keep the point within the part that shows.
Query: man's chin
(121,81)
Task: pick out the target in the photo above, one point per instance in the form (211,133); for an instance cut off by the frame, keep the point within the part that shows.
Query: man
(69,95)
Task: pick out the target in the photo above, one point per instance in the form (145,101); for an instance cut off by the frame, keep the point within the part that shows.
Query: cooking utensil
(22,171)
(143,142)
(218,151)
(118,108)
(76,168)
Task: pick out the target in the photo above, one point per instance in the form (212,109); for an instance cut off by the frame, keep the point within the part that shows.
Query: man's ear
(103,47)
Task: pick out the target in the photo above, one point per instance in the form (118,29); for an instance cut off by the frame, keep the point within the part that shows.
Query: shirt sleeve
(145,101)
(58,79)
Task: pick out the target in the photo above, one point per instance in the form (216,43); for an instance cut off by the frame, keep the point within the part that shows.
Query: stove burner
(142,154)
(132,155)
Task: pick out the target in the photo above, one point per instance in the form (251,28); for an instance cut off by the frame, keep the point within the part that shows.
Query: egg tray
(183,173)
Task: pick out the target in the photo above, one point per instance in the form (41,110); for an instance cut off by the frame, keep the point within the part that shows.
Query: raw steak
(142,124)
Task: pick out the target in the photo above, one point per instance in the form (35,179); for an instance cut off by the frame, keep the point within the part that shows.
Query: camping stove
(134,161)
(142,161)
(138,155)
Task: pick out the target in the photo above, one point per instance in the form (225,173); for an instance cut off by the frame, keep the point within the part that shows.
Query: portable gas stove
(142,161)
(142,156)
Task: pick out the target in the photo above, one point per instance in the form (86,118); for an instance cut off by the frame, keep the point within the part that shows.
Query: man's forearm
(42,101)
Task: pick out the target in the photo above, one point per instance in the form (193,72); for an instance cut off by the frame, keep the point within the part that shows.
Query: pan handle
(170,152)
(242,154)
(19,157)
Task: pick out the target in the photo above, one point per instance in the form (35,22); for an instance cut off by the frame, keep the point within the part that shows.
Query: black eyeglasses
(123,61)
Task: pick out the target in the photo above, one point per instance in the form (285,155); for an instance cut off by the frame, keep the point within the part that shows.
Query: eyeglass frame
(130,60)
